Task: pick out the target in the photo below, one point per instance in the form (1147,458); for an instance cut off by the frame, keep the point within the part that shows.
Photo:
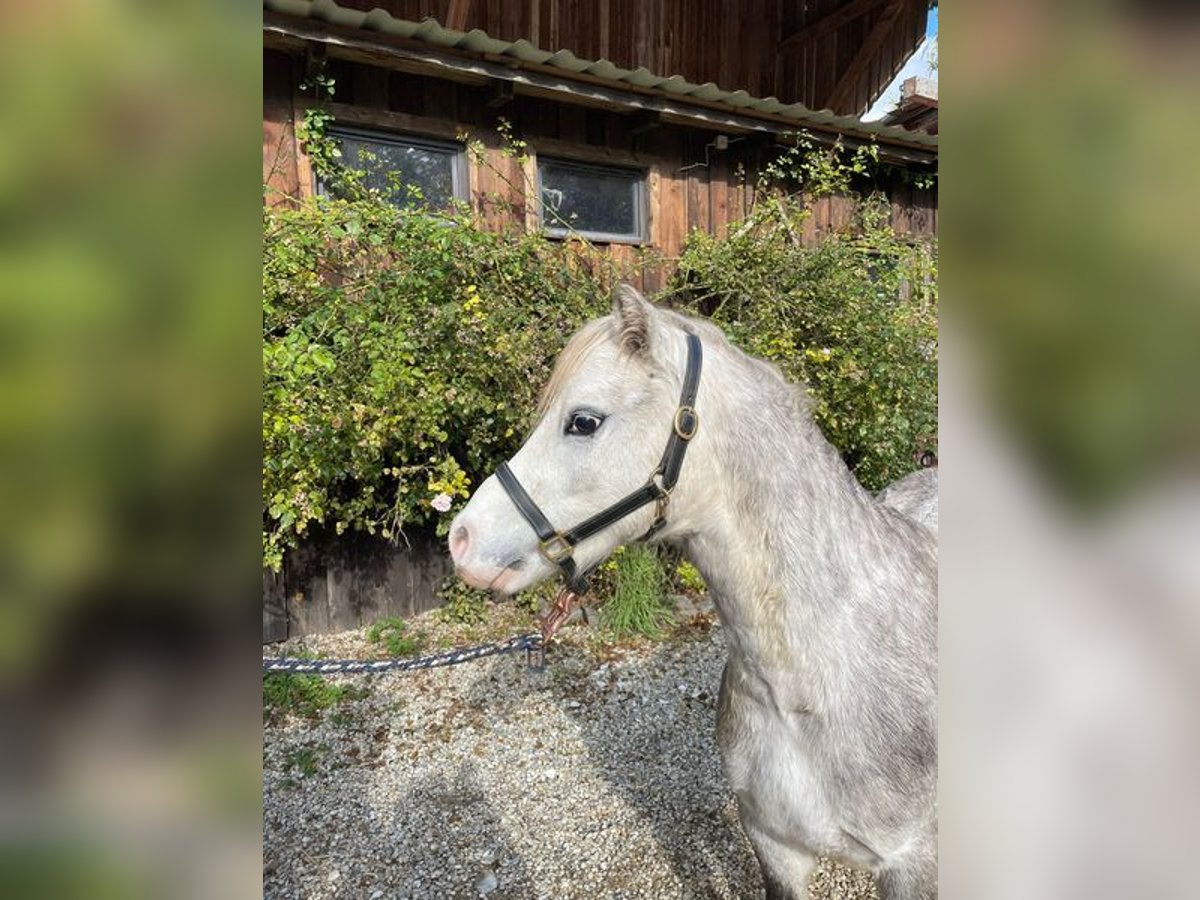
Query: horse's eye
(584,424)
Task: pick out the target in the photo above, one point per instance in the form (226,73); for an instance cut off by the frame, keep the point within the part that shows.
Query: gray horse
(827,719)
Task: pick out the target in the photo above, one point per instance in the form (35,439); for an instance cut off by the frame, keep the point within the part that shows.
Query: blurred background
(1070,434)
(130,195)
(130,192)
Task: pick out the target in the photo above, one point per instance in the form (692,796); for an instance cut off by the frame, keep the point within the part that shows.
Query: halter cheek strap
(558,547)
(553,545)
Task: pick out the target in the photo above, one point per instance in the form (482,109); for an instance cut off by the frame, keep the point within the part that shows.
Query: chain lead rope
(531,643)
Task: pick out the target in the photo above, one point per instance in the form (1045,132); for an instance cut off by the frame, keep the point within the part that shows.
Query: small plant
(343,718)
(395,636)
(638,605)
(461,603)
(303,695)
(304,759)
(532,600)
(688,577)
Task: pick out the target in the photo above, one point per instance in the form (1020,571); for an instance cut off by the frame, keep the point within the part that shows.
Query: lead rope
(532,643)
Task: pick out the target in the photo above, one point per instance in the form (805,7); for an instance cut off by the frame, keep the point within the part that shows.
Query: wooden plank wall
(280,166)
(733,43)
(692,185)
(337,582)
(702,40)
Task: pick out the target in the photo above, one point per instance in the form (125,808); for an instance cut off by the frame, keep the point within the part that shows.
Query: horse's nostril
(460,539)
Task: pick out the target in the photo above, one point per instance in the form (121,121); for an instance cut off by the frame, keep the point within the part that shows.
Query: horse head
(605,415)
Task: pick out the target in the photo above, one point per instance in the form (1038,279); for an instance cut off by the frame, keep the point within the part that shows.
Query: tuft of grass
(638,605)
(393,633)
(303,759)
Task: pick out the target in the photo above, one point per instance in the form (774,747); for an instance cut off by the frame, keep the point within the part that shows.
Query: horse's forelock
(608,328)
(571,358)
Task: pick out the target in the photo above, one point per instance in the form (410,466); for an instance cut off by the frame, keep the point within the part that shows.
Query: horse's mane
(787,393)
(781,408)
(599,330)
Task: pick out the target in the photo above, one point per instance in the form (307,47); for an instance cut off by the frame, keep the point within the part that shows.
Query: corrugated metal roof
(433,33)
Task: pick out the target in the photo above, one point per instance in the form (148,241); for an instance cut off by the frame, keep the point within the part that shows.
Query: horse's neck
(787,538)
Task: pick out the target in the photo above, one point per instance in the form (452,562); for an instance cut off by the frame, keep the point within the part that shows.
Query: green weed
(688,577)
(395,636)
(461,604)
(303,695)
(303,759)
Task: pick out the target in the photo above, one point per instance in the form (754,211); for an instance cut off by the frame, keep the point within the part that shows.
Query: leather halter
(558,547)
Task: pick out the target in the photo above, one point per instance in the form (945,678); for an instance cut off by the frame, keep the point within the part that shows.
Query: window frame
(640,201)
(460,183)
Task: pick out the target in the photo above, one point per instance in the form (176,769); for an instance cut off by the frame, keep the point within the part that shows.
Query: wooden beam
(430,126)
(827,24)
(844,89)
(456,18)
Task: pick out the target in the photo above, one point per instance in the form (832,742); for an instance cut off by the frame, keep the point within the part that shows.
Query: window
(601,202)
(395,164)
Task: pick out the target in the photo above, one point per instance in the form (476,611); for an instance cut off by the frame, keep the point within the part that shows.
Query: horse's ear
(635,319)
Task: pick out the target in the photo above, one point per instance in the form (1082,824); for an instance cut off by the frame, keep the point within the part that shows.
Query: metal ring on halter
(686,416)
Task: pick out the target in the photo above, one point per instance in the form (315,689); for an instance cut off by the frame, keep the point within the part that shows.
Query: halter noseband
(558,547)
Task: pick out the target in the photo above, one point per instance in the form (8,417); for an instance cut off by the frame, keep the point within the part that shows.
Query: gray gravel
(597,778)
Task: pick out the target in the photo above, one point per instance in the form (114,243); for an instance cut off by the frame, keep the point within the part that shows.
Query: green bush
(402,355)
(403,350)
(854,317)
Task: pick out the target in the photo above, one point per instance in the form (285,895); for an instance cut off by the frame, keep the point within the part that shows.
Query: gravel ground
(596,778)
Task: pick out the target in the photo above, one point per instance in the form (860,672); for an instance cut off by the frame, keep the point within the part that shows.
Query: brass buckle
(555,548)
(679,430)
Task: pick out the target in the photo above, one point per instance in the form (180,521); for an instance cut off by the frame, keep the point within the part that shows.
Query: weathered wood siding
(733,43)
(335,583)
(691,184)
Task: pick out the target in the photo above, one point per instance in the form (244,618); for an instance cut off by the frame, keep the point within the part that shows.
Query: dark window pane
(392,166)
(591,200)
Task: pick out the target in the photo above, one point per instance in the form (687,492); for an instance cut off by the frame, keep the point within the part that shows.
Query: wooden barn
(644,119)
